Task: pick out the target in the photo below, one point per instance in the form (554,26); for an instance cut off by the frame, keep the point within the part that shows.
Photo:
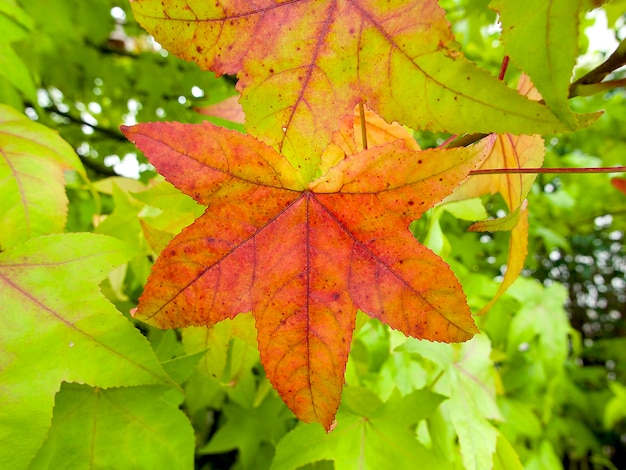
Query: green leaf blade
(32,188)
(374,437)
(133,427)
(57,326)
(541,37)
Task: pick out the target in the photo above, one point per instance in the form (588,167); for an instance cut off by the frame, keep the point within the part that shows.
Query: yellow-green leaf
(303,65)
(32,187)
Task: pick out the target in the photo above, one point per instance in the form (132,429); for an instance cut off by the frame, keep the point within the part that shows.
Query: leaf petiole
(504,171)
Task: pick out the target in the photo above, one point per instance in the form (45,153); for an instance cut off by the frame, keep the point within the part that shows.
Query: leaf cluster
(84,383)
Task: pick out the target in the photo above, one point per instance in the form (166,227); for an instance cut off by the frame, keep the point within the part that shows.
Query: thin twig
(111,133)
(465,140)
(595,88)
(505,171)
(616,60)
(503,67)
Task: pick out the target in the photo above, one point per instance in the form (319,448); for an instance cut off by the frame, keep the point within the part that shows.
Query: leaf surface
(249,429)
(54,327)
(541,37)
(303,257)
(305,64)
(518,250)
(470,383)
(136,426)
(376,435)
(32,187)
(15,25)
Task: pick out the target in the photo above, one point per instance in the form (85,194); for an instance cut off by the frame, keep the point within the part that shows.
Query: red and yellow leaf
(229,109)
(303,257)
(304,64)
(518,250)
(509,152)
(348,139)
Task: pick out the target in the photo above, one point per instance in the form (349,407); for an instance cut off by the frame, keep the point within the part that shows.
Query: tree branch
(615,61)
(114,134)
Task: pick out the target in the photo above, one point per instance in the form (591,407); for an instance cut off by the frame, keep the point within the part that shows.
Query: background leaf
(15,24)
(379,438)
(469,381)
(251,430)
(134,427)
(31,154)
(54,332)
(541,37)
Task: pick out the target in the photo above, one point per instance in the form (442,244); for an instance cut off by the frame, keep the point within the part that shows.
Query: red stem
(503,67)
(504,171)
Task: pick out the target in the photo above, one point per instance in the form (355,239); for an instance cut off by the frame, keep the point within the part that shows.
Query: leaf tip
(331,427)
(126,130)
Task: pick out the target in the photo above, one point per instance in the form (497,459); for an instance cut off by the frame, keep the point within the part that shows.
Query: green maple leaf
(56,326)
(470,383)
(541,37)
(31,154)
(133,427)
(248,429)
(369,434)
(304,64)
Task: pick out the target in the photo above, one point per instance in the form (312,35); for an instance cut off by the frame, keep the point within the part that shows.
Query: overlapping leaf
(31,155)
(303,257)
(145,429)
(509,152)
(541,37)
(304,64)
(14,24)
(369,434)
(228,109)
(348,139)
(249,430)
(470,382)
(55,325)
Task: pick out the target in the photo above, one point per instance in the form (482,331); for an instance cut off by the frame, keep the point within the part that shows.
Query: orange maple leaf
(302,257)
